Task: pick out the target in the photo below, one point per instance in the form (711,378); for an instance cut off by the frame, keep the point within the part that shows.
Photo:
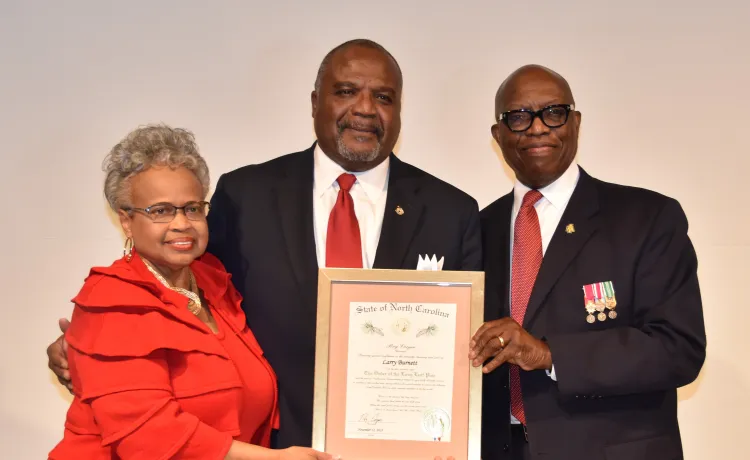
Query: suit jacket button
(577,397)
(585,397)
(506,448)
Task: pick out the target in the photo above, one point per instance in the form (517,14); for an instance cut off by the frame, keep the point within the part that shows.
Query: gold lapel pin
(570,228)
(399,210)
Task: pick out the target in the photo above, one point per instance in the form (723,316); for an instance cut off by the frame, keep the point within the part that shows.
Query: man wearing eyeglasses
(593,308)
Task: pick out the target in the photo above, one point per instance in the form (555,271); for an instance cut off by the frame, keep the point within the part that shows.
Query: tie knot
(346,181)
(531,197)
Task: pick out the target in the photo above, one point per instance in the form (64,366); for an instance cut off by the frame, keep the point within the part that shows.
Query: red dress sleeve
(121,358)
(141,418)
(150,380)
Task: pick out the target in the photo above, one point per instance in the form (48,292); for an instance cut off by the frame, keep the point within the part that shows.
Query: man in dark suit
(593,308)
(347,201)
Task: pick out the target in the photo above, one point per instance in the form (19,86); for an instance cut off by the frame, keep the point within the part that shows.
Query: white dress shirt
(368,193)
(549,209)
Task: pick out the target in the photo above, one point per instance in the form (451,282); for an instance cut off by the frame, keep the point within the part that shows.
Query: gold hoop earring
(127,251)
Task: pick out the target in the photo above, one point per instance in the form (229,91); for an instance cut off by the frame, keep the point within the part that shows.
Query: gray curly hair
(147,146)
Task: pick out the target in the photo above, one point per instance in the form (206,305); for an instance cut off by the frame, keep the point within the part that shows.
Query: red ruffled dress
(151,381)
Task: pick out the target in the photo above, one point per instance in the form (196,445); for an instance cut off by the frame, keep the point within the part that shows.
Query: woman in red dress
(162,363)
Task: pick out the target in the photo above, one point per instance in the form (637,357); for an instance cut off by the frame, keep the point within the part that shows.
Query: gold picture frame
(468,287)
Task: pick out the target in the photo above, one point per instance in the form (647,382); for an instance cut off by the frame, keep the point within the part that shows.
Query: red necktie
(527,258)
(343,242)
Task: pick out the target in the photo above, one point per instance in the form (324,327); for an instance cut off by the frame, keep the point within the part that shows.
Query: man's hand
(506,341)
(303,453)
(57,353)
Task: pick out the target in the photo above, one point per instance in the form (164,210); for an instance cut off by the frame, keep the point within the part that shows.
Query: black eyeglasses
(165,212)
(553,116)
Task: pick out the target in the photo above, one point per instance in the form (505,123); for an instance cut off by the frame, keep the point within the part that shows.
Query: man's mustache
(370,127)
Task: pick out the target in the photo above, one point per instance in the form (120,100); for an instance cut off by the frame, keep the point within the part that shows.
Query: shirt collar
(558,193)
(325,172)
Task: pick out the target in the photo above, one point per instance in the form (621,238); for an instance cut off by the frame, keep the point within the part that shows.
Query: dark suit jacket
(261,228)
(615,397)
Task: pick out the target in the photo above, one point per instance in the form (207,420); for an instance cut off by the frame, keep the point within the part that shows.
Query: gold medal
(601,317)
(590,307)
(612,314)
(609,294)
(590,319)
(600,305)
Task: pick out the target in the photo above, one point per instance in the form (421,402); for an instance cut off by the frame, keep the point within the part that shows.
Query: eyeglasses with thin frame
(165,212)
(553,116)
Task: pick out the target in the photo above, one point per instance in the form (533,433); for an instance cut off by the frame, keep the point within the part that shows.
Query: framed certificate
(393,377)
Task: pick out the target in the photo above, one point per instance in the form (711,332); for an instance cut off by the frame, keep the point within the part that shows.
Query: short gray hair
(147,146)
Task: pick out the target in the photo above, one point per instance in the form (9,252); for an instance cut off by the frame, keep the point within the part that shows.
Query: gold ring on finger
(502,341)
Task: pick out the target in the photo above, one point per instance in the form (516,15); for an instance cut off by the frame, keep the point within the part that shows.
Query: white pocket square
(430,264)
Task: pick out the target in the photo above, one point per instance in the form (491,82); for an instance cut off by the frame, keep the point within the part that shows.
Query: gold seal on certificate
(401,326)
(392,374)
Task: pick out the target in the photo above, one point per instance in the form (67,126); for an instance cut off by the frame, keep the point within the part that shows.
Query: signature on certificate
(400,348)
(370,419)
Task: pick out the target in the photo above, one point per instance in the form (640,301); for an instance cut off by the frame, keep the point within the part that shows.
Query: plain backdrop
(662,85)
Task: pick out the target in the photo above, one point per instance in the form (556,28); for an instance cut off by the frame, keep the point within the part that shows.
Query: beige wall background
(663,87)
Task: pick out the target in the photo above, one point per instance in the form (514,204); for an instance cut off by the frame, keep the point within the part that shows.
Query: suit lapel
(398,229)
(581,211)
(295,210)
(497,240)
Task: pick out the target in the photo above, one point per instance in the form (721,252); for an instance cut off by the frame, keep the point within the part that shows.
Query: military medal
(588,300)
(611,302)
(609,294)
(599,298)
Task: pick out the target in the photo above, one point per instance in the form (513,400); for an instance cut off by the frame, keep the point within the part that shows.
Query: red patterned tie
(343,242)
(527,258)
